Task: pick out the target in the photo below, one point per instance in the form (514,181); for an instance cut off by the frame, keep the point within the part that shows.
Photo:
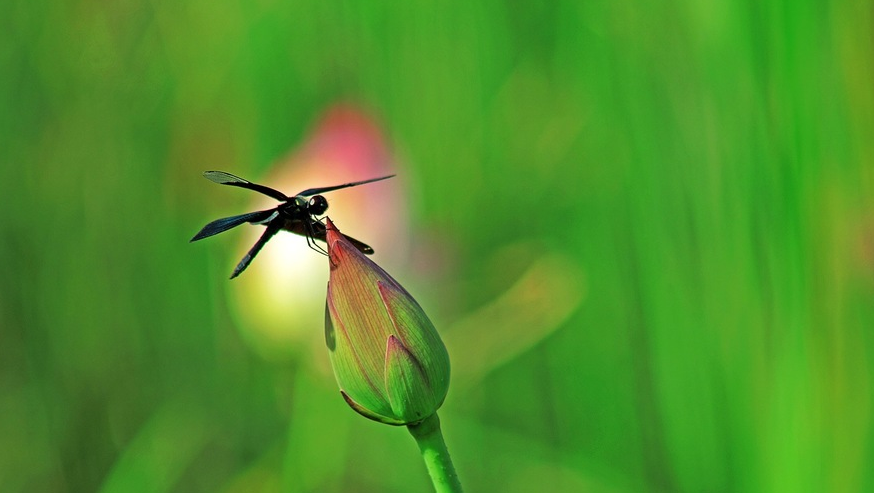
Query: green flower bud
(389,360)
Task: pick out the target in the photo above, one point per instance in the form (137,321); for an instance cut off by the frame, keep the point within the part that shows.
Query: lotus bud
(388,359)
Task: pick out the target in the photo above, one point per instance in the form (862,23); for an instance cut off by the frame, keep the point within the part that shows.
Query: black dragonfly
(296,214)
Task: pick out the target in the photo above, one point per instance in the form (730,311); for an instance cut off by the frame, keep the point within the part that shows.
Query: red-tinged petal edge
(332,236)
(358,408)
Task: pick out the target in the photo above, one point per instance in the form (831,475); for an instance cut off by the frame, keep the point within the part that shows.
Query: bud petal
(358,384)
(420,336)
(409,393)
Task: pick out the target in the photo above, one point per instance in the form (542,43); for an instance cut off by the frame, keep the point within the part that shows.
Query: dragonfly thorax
(300,207)
(296,208)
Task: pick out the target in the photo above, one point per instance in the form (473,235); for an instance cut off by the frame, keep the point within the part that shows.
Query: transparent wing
(224,224)
(316,191)
(223,178)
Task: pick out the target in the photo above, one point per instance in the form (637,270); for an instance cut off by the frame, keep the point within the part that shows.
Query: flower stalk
(435,454)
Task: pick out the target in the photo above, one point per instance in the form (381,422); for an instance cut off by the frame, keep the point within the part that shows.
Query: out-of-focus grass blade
(160,453)
(535,306)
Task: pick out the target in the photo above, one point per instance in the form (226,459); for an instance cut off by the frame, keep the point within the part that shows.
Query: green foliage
(696,177)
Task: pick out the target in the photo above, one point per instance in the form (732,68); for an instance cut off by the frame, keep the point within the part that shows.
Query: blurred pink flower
(275,300)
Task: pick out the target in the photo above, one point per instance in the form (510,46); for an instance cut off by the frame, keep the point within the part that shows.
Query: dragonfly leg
(311,240)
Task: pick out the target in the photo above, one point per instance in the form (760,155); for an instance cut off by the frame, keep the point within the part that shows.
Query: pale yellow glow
(280,297)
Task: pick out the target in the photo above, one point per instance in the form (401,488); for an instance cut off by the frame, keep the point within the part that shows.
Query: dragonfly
(297,214)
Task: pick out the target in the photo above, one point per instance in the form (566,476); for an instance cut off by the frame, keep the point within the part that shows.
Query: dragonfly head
(317,205)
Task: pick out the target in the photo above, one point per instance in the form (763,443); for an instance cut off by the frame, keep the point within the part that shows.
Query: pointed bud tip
(333,234)
(338,246)
(394,343)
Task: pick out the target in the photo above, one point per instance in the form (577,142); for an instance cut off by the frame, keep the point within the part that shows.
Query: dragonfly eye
(317,205)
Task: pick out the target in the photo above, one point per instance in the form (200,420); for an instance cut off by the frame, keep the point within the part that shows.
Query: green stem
(430,440)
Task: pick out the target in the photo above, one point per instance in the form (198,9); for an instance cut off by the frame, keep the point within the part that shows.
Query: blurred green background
(645,229)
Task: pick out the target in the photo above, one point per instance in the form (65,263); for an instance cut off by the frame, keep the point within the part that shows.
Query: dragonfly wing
(363,247)
(223,178)
(316,191)
(319,232)
(272,229)
(224,224)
